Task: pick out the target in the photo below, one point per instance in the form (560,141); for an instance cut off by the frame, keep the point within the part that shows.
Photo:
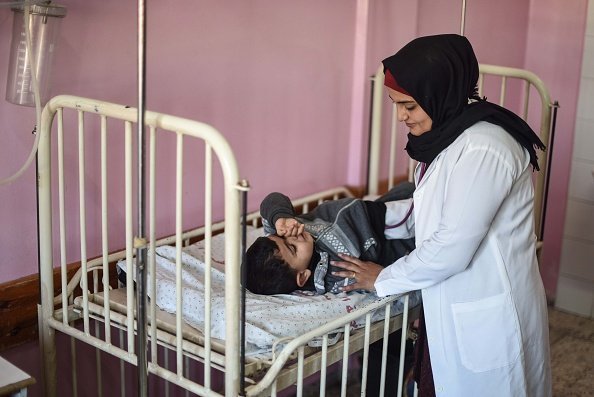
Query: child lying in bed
(296,253)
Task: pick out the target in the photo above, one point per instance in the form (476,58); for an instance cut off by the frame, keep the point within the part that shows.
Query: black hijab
(441,73)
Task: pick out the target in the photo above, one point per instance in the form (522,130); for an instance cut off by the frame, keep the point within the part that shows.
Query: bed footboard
(82,126)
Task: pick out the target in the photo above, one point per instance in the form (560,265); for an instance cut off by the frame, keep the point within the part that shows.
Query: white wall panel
(577,259)
(579,221)
(583,147)
(574,295)
(575,288)
(586,99)
(581,184)
(590,23)
(588,61)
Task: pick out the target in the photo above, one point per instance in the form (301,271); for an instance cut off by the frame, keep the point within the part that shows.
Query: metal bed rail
(157,123)
(506,75)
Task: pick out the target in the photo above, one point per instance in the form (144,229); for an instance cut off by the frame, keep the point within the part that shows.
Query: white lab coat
(475,262)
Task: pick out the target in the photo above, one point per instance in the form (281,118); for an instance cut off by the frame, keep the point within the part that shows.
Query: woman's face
(409,112)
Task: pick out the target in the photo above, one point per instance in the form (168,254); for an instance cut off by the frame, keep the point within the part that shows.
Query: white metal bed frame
(102,307)
(545,126)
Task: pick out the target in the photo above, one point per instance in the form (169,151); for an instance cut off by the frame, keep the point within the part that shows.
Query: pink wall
(273,76)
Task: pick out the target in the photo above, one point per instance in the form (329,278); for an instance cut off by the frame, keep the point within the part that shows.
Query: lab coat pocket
(487,333)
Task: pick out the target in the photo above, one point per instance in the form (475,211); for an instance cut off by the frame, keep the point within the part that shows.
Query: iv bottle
(44,23)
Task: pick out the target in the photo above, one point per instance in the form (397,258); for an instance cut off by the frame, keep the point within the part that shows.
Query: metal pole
(141,254)
(369,135)
(543,210)
(463,20)
(244,196)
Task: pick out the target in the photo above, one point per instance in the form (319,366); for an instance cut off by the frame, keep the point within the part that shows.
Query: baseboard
(18,307)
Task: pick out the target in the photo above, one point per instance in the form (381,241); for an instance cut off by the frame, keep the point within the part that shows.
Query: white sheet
(268,318)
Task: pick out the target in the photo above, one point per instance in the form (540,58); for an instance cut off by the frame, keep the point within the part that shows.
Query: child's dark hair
(267,273)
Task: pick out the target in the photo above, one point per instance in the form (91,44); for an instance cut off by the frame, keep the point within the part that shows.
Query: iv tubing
(33,65)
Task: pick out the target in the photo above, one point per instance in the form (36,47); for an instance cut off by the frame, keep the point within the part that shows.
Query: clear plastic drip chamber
(44,23)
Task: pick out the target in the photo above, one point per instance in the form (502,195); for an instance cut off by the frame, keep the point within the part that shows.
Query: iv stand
(463,19)
(141,253)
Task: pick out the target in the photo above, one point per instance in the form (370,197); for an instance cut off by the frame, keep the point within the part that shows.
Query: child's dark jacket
(348,226)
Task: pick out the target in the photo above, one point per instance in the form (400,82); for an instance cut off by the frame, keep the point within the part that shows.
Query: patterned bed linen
(268,318)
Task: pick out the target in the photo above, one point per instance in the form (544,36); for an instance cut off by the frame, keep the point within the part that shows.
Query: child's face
(296,251)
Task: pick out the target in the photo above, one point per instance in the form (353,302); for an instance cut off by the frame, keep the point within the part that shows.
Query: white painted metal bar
(207,260)
(152,245)
(385,350)
(324,365)
(129,235)
(366,352)
(345,360)
(502,91)
(376,120)
(463,18)
(62,211)
(403,345)
(526,100)
(392,158)
(179,157)
(104,228)
(181,381)
(301,354)
(82,214)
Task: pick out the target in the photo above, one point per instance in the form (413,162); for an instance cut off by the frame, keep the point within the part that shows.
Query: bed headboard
(509,87)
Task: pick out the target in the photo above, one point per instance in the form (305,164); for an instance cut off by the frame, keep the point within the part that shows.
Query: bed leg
(47,347)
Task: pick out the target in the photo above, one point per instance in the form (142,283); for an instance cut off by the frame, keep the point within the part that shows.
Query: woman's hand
(288,227)
(364,272)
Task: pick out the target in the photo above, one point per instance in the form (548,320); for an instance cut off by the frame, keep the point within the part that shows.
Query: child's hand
(288,227)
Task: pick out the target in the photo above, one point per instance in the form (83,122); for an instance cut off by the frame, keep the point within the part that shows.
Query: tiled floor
(572,359)
(572,354)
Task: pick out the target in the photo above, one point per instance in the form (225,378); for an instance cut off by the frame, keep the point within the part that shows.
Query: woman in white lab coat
(485,328)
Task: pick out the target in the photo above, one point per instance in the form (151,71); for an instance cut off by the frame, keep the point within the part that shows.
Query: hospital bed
(224,351)
(204,336)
